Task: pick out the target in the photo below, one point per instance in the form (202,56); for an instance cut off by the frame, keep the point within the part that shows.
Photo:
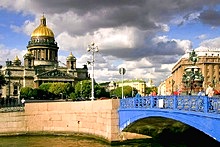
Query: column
(205,75)
(217,72)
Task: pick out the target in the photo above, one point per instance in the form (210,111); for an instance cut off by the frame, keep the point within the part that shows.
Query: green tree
(38,93)
(83,89)
(100,91)
(58,88)
(26,92)
(2,81)
(45,86)
(150,89)
(127,91)
(34,93)
(68,88)
(73,96)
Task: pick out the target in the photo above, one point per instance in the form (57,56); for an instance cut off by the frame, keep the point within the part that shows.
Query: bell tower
(71,63)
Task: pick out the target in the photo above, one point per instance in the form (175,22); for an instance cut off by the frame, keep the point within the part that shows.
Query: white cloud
(184,44)
(164,27)
(9,54)
(125,32)
(202,36)
(212,43)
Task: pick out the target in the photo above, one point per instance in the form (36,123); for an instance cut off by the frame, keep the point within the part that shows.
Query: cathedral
(41,64)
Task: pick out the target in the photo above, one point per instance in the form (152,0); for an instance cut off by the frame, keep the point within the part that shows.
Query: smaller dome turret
(28,54)
(29,59)
(71,62)
(16,58)
(71,57)
(16,61)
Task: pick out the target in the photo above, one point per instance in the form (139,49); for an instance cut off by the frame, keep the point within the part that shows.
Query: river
(75,141)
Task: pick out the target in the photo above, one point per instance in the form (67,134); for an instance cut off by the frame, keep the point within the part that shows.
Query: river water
(49,141)
(76,141)
(66,141)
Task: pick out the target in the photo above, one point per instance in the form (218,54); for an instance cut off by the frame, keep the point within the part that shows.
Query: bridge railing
(183,103)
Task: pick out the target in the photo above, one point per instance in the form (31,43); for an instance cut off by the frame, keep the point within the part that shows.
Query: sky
(146,37)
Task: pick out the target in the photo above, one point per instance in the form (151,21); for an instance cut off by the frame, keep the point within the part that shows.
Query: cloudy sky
(146,37)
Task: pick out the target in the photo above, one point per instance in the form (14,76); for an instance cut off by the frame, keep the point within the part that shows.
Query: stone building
(138,84)
(208,63)
(40,64)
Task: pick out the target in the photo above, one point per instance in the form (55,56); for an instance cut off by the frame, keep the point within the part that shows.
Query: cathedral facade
(41,64)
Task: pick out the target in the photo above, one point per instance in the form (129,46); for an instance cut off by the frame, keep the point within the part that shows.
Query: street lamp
(122,72)
(19,91)
(81,88)
(92,48)
(8,75)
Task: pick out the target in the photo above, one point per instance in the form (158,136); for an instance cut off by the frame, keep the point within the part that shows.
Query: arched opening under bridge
(169,131)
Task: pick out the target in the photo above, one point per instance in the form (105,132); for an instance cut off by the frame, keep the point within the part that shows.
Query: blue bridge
(200,112)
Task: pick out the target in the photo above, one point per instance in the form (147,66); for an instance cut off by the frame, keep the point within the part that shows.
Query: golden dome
(16,58)
(42,30)
(28,52)
(71,57)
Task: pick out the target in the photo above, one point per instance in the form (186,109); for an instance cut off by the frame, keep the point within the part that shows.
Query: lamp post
(92,48)
(19,92)
(61,95)
(8,75)
(81,88)
(132,88)
(122,72)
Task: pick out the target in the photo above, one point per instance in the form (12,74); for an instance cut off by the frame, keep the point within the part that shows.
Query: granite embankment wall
(98,118)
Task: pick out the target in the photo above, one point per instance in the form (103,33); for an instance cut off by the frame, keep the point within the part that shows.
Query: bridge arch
(203,122)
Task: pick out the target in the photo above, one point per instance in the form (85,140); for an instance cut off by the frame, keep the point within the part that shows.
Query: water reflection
(84,141)
(50,141)
(69,141)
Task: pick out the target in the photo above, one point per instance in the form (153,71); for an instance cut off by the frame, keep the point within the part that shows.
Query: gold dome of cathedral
(42,30)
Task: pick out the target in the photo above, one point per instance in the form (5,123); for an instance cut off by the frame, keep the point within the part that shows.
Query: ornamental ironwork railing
(183,103)
(11,109)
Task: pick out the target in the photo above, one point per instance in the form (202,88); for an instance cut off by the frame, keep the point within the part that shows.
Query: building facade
(208,63)
(41,64)
(139,85)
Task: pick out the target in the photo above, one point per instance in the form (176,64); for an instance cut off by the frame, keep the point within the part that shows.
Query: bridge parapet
(182,103)
(200,112)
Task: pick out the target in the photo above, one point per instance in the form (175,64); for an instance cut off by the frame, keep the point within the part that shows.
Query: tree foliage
(150,89)
(127,91)
(61,88)
(100,91)
(2,81)
(26,92)
(54,90)
(45,86)
(83,89)
(47,91)
(72,96)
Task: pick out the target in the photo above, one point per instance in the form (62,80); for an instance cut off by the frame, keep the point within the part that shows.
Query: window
(29,63)
(39,55)
(15,90)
